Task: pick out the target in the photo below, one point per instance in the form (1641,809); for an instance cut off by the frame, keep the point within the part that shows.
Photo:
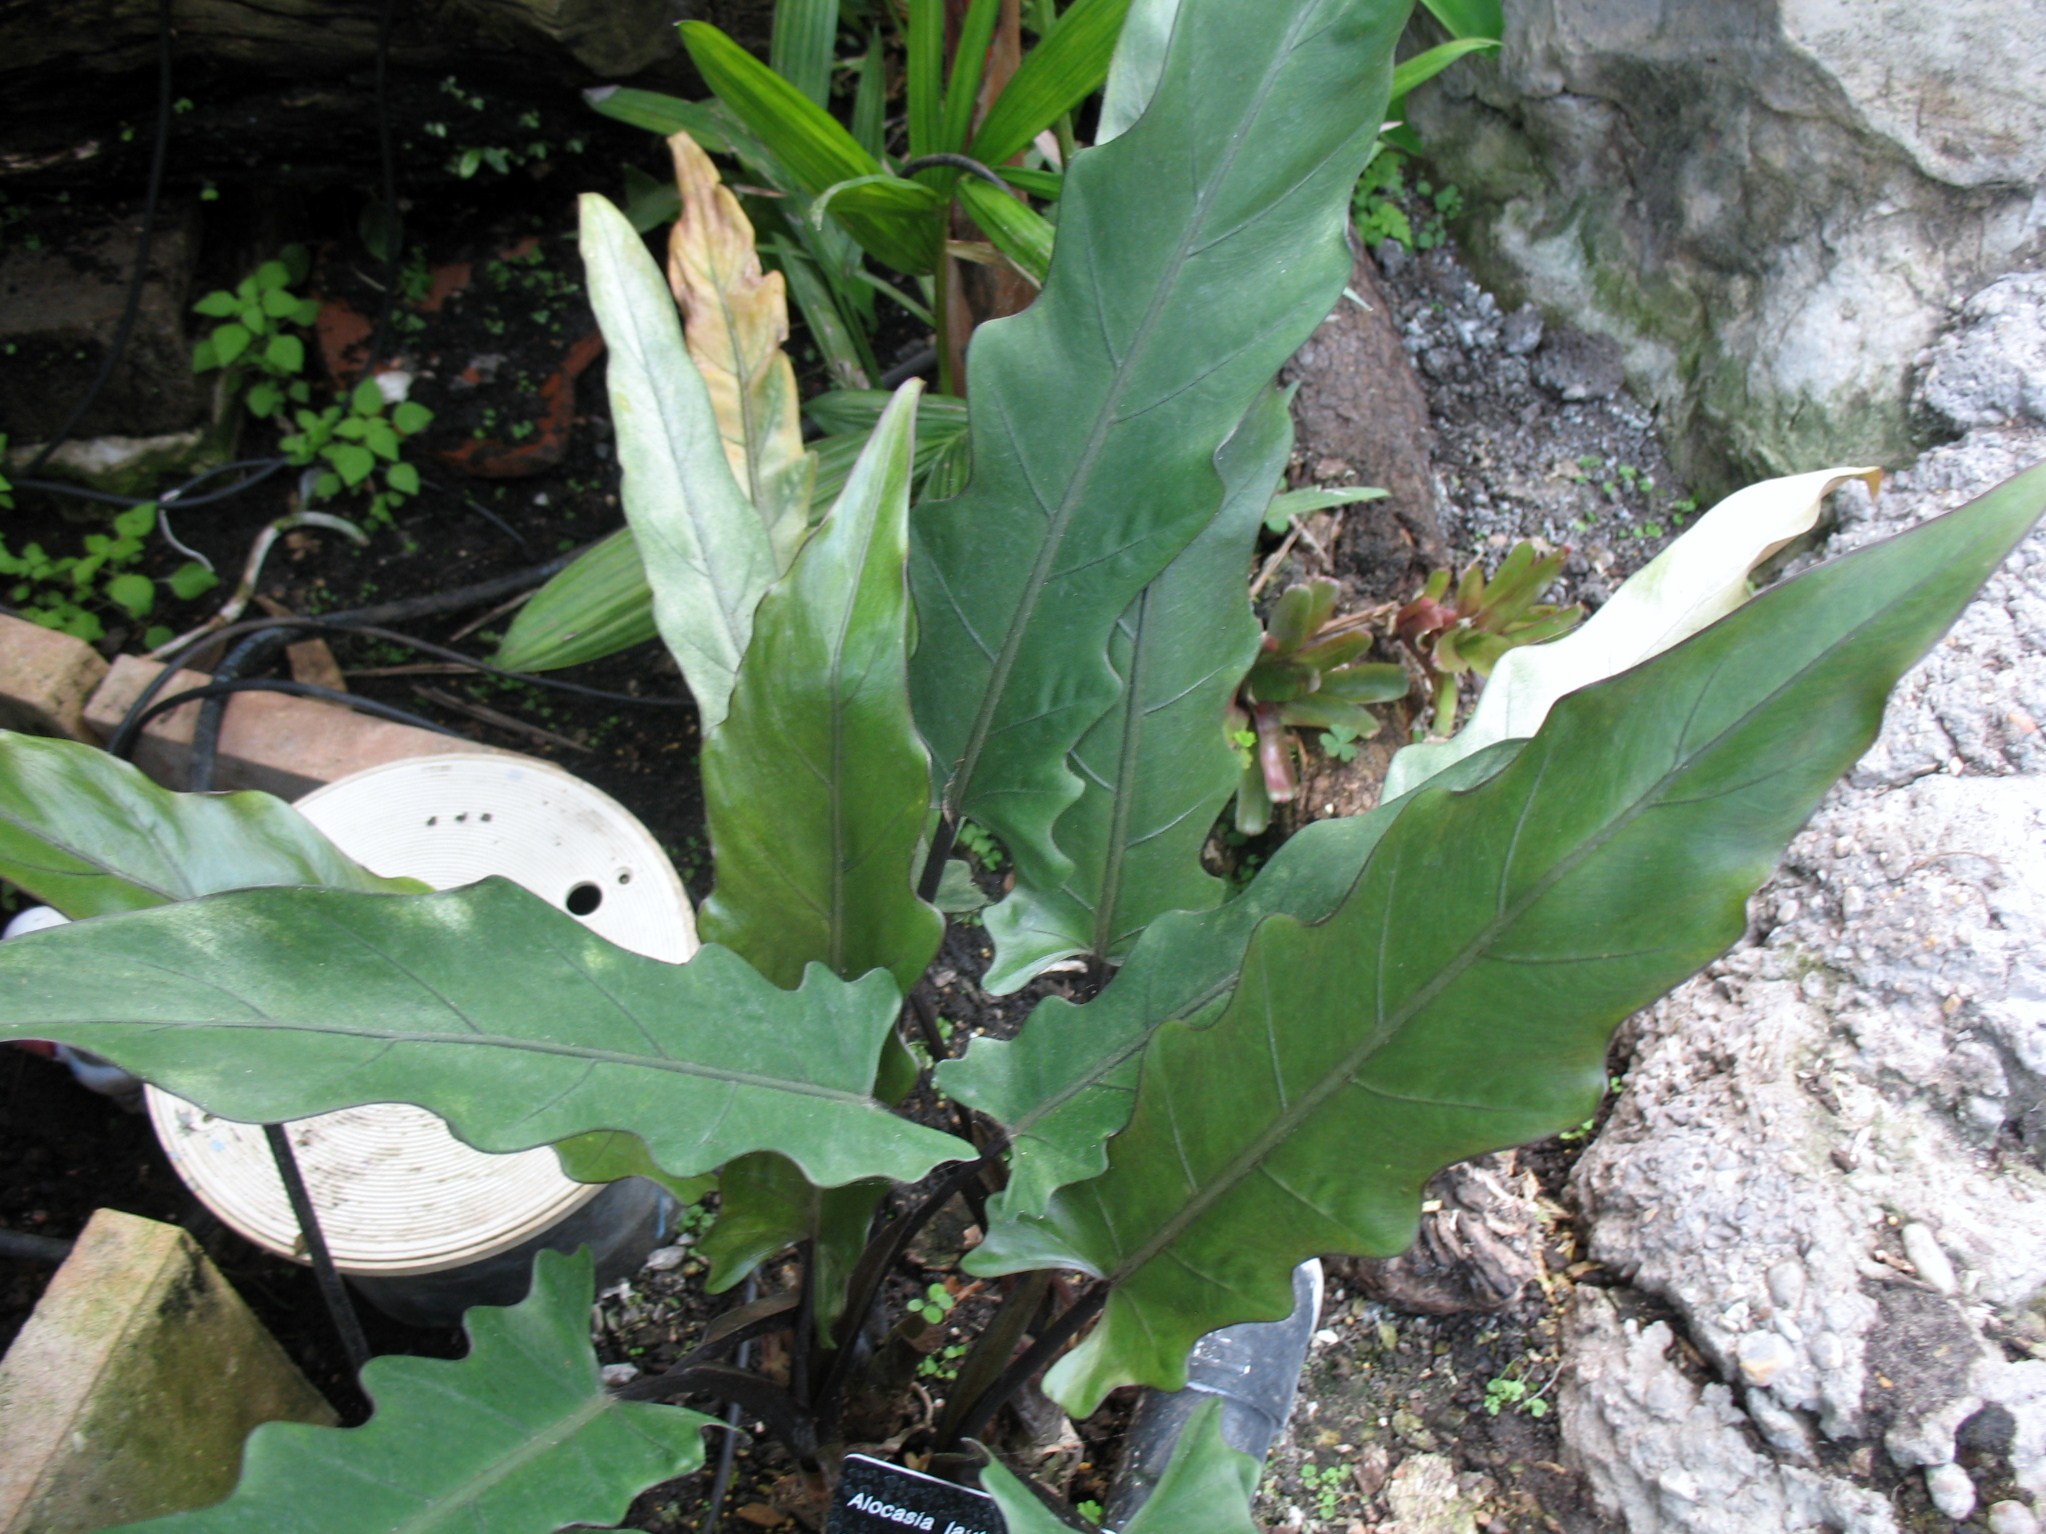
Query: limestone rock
(1828,1154)
(1771,206)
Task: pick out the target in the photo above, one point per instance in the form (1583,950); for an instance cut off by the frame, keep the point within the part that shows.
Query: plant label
(875,1497)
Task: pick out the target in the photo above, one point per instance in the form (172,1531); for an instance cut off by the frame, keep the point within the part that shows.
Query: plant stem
(974,1420)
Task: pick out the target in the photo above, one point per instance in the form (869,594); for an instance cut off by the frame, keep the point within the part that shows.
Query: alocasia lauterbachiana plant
(1052,653)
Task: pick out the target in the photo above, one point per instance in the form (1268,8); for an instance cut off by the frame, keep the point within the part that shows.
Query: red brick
(45,679)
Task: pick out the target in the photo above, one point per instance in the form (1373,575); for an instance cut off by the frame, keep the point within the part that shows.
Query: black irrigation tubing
(151,199)
(290,688)
(340,1308)
(178,499)
(23,1247)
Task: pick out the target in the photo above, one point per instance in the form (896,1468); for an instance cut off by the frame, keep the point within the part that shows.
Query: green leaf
(805,46)
(136,521)
(134,594)
(969,62)
(264,398)
(486,1005)
(228,342)
(859,410)
(1017,232)
(1156,767)
(1099,409)
(411,418)
(353,463)
(278,303)
(1067,66)
(815,859)
(90,835)
(1451,1006)
(518,1436)
(217,305)
(1206,1488)
(599,605)
(706,552)
(1470,18)
(1064,1085)
(926,82)
(1423,67)
(607,1155)
(367,398)
(191,579)
(1699,578)
(665,115)
(1136,67)
(1303,503)
(403,478)
(766,1205)
(808,141)
(270,276)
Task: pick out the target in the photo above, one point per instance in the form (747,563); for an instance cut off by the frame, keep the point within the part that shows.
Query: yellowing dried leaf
(735,320)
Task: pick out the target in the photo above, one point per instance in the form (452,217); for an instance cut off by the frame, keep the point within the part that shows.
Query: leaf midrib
(495,1041)
(1106,419)
(1287,1122)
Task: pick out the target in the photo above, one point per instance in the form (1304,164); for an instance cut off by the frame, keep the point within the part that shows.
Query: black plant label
(875,1497)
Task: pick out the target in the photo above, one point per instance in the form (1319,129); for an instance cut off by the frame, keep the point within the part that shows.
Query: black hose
(283,685)
(340,1308)
(140,275)
(23,1247)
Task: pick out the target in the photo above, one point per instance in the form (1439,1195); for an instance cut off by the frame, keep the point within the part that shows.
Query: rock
(1951,1491)
(1477,1248)
(1771,207)
(1991,369)
(2012,1518)
(1575,366)
(1665,1455)
(1859,1090)
(615,1375)
(1521,332)
(1922,1249)
(60,304)
(1359,401)
(1425,1498)
(665,1259)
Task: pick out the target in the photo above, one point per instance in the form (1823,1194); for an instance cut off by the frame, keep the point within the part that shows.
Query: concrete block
(45,679)
(284,746)
(129,1392)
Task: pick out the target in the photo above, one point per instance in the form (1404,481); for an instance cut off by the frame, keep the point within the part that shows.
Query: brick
(129,1392)
(45,679)
(282,745)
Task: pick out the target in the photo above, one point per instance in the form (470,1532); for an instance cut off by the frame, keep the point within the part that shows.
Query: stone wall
(1774,205)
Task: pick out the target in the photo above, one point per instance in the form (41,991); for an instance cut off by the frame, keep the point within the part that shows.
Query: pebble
(2012,1518)
(1521,332)
(1951,1491)
(1763,1356)
(1922,1250)
(620,1374)
(663,1259)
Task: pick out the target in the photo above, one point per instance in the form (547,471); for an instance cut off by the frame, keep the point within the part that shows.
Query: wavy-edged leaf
(518,1436)
(1097,412)
(1017,231)
(90,835)
(1156,768)
(816,786)
(735,320)
(1206,1488)
(809,142)
(1064,1085)
(606,1155)
(768,1205)
(1463,995)
(1698,579)
(707,554)
(486,1005)
(1067,66)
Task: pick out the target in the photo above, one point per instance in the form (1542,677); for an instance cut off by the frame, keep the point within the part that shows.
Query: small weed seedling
(936,1304)
(73,592)
(1325,1484)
